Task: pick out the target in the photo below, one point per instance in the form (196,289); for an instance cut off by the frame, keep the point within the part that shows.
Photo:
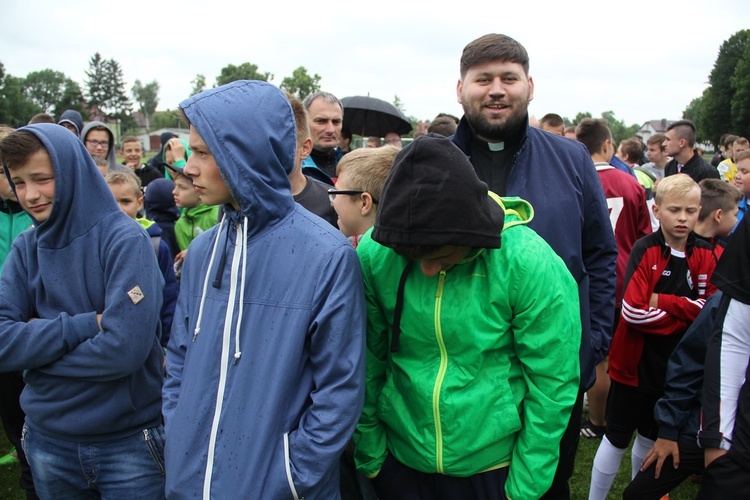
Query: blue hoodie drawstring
(205,281)
(241,285)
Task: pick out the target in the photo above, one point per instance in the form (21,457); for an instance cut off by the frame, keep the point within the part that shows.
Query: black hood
(432,196)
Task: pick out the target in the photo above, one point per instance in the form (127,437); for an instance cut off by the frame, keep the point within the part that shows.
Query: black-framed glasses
(94,143)
(332,193)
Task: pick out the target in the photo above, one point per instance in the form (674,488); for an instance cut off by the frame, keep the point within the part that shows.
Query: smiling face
(677,216)
(207,180)
(742,179)
(97,142)
(349,209)
(133,153)
(35,185)
(495,97)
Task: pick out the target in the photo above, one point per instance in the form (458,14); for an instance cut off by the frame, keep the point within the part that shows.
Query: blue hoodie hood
(76,189)
(159,201)
(74,118)
(254,166)
(87,258)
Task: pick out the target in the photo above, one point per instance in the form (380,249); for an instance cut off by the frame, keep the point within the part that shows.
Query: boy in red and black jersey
(666,285)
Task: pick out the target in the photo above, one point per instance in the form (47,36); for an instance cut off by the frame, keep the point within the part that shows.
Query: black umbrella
(369,116)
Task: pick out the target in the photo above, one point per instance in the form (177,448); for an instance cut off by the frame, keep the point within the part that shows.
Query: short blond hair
(367,168)
(119,177)
(678,185)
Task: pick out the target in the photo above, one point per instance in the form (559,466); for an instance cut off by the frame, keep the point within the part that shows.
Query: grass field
(9,475)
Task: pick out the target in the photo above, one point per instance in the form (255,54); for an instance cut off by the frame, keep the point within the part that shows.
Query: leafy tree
(716,115)
(580,116)
(118,103)
(694,113)
(741,100)
(301,84)
(397,102)
(106,87)
(166,119)
(619,130)
(72,98)
(245,71)
(15,107)
(199,84)
(147,97)
(45,88)
(96,82)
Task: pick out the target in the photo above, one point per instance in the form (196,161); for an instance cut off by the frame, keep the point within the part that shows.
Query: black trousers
(396,481)
(568,448)
(726,479)
(11,385)
(646,487)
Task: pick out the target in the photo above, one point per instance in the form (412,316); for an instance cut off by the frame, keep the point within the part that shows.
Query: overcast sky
(641,59)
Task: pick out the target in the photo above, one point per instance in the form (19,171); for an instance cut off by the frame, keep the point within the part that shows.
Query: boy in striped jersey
(666,285)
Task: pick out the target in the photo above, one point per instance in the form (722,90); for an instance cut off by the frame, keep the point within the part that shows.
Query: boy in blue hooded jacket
(80,297)
(265,367)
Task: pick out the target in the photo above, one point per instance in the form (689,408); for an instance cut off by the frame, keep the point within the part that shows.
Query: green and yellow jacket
(193,222)
(487,368)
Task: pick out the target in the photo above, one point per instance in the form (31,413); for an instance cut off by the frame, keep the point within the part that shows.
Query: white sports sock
(606,463)
(638,454)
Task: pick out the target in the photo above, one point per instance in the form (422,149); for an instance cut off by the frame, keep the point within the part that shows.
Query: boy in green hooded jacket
(472,346)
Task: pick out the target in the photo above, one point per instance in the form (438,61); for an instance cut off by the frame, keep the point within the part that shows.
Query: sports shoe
(10,458)
(591,431)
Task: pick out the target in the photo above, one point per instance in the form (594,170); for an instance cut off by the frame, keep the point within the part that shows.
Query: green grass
(579,484)
(9,475)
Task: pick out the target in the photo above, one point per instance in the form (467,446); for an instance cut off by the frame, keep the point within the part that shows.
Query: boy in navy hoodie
(80,297)
(126,189)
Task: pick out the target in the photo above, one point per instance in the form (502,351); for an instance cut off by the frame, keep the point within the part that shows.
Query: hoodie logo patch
(135,294)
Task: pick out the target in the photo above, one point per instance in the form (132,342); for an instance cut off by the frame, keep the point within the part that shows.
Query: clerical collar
(511,143)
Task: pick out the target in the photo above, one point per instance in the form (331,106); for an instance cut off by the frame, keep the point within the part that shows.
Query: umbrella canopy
(369,116)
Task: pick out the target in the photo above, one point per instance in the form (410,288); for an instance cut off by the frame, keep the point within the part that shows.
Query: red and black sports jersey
(648,261)
(628,213)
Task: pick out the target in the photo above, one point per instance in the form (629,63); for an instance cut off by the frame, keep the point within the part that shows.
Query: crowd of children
(219,310)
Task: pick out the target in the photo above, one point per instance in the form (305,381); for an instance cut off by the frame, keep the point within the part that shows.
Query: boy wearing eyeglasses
(100,143)
(361,175)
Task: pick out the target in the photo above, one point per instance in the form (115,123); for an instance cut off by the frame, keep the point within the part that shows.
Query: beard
(498,130)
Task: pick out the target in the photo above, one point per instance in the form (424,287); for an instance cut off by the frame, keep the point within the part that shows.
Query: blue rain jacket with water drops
(265,367)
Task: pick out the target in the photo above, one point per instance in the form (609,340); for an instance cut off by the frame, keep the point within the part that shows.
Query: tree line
(104,94)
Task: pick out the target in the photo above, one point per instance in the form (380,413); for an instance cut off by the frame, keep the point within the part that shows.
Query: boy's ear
(655,209)
(307,147)
(368,206)
(717,215)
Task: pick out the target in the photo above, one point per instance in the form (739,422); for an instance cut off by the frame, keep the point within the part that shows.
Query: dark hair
(657,139)
(16,148)
(493,47)
(716,194)
(443,125)
(728,140)
(552,119)
(593,132)
(632,148)
(448,115)
(684,129)
(41,118)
